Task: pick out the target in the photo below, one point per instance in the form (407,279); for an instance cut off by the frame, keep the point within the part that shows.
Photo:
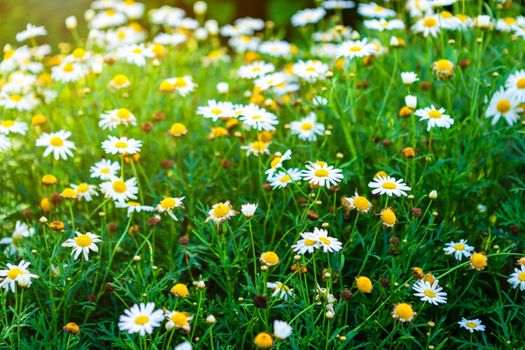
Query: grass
(474,166)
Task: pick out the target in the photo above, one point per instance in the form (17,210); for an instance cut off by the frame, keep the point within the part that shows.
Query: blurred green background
(14,14)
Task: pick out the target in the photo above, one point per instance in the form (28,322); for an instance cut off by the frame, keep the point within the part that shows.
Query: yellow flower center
(310,69)
(263,340)
(430,22)
(389,185)
(404,311)
(79,52)
(119,186)
(120,79)
(270,258)
(521,277)
(105,171)
(141,320)
(13,273)
(471,324)
(355,48)
(321,173)
(378,8)
(83,241)
(178,129)
(111,12)
(121,144)
(459,246)
(443,65)
(138,50)
(68,67)
(221,210)
(509,20)
(429,293)
(309,242)
(388,217)
(285,178)
(180,83)
(503,106)
(324,240)
(69,193)
(121,35)
(179,319)
(435,114)
(216,111)
(7,123)
(521,83)
(478,260)
(16,98)
(168,203)
(307,126)
(364,284)
(133,204)
(123,113)
(445,14)
(361,203)
(180,290)
(56,141)
(275,162)
(259,146)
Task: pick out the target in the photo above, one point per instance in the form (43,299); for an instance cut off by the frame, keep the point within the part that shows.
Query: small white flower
(82,243)
(141,319)
(248,209)
(517,278)
(430,292)
(460,249)
(389,186)
(281,329)
(472,325)
(409,78)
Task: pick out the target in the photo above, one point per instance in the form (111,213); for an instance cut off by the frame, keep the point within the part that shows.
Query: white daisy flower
(338,4)
(141,319)
(10,126)
(20,233)
(435,117)
(256,148)
(308,244)
(357,48)
(248,209)
(329,244)
(472,325)
(258,118)
(255,70)
(19,102)
(31,31)
(167,205)
(16,275)
(136,54)
(104,169)
(178,320)
(279,289)
(121,116)
(275,48)
(221,212)
(359,203)
(382,24)
(460,249)
(515,86)
(503,104)
(307,16)
(277,162)
(374,10)
(82,243)
(409,78)
(85,191)
(389,186)
(507,24)
(121,145)
(281,329)
(307,128)
(310,70)
(517,278)
(430,292)
(283,178)
(184,346)
(183,85)
(68,72)
(133,207)
(322,174)
(5,143)
(428,25)
(120,190)
(56,143)
(268,81)
(215,110)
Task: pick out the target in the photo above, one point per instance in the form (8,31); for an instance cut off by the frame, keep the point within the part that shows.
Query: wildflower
(269,258)
(310,70)
(16,275)
(329,244)
(281,330)
(307,16)
(283,178)
(388,217)
(403,312)
(435,117)
(411,101)
(277,162)
(178,129)
(215,110)
(133,207)
(460,249)
(56,143)
(472,325)
(111,119)
(72,328)
(184,345)
(168,204)
(389,186)
(69,193)
(11,126)
(68,72)
(142,319)
(136,54)
(364,284)
(515,86)
(409,78)
(322,174)
(221,212)
(517,278)
(357,48)
(121,145)
(85,191)
(119,81)
(428,25)
(256,148)
(359,203)
(82,243)
(280,290)
(478,261)
(255,70)
(5,143)
(443,68)
(20,233)
(178,320)
(180,290)
(307,128)
(120,190)
(430,292)
(263,340)
(258,118)
(502,104)
(374,10)
(104,169)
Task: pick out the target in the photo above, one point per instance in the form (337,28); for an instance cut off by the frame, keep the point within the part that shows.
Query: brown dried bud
(158,116)
(55,198)
(394,240)
(108,288)
(226,163)
(417,212)
(514,229)
(426,85)
(146,126)
(302,201)
(27,213)
(386,142)
(57,225)
(464,63)
(385,282)
(92,298)
(345,294)
(167,164)
(112,227)
(312,215)
(184,240)
(260,301)
(267,187)
(334,188)
(153,221)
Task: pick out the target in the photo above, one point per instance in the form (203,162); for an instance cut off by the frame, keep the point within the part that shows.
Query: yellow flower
(180,290)
(364,284)
(478,261)
(263,340)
